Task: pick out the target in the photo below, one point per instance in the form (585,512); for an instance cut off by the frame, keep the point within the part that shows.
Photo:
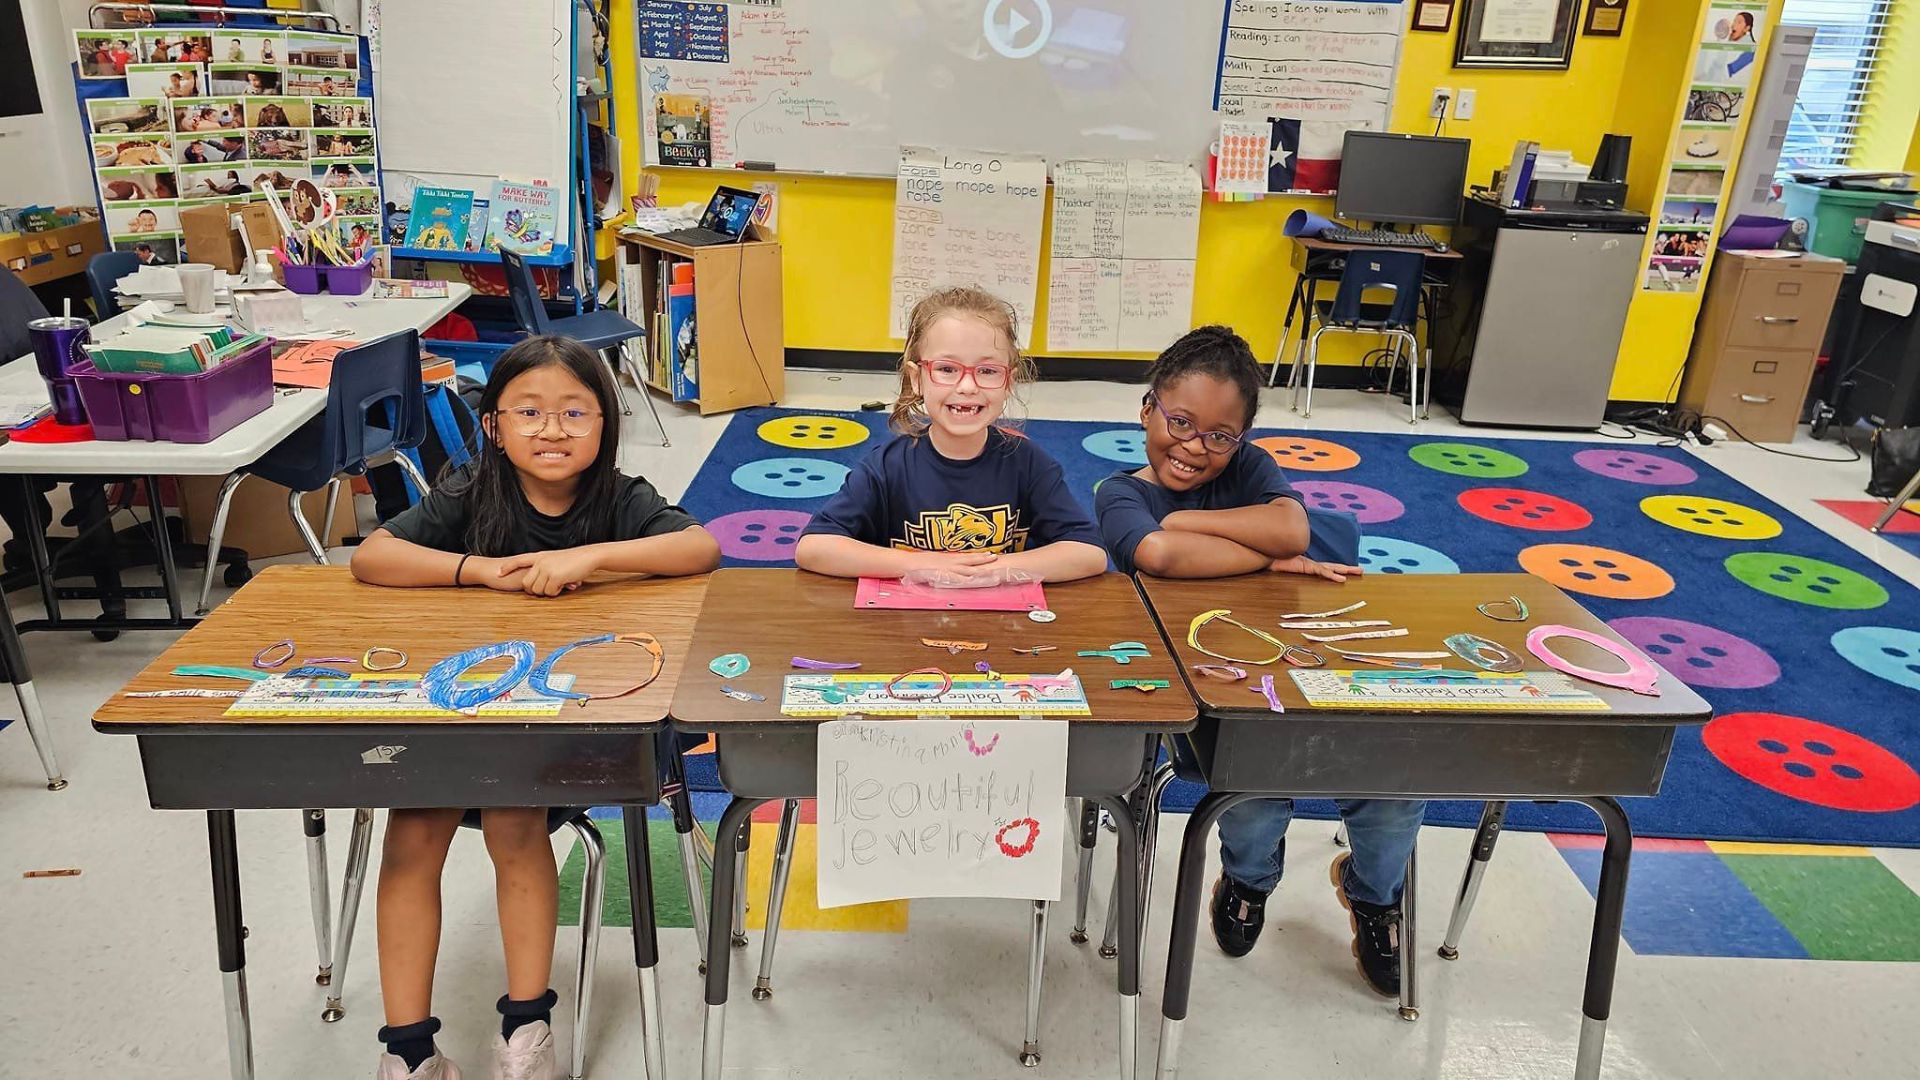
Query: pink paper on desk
(891,595)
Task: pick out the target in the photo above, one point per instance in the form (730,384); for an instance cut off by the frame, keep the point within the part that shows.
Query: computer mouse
(1441,249)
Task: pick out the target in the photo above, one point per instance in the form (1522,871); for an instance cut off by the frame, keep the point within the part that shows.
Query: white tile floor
(113,972)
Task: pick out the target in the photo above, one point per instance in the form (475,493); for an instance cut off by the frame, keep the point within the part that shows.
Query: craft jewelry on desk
(1220,671)
(953,647)
(1518,606)
(537,679)
(1265,689)
(1640,676)
(742,695)
(1120,652)
(1357,635)
(1145,686)
(366,659)
(729,666)
(1355,606)
(946,683)
(1225,615)
(1485,653)
(823,665)
(441,679)
(261,661)
(1035,650)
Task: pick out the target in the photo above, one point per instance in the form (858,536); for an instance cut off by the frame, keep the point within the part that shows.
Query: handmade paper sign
(917,808)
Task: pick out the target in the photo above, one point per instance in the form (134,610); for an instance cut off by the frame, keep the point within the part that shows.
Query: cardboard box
(38,258)
(210,237)
(257,521)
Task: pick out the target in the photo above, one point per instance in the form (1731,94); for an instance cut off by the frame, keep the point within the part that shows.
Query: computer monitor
(729,211)
(1405,179)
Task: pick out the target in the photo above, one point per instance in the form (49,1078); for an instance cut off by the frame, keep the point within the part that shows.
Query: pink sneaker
(527,1056)
(437,1067)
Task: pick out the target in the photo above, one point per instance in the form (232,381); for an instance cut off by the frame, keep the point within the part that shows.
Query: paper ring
(1485,653)
(366,659)
(1640,677)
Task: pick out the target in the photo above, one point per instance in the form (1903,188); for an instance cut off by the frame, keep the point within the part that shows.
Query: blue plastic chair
(345,439)
(1400,272)
(104,271)
(600,329)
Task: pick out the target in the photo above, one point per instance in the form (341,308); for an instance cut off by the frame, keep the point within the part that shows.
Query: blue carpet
(1809,654)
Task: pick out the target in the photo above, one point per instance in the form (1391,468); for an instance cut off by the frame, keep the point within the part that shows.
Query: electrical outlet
(1463,105)
(1438,107)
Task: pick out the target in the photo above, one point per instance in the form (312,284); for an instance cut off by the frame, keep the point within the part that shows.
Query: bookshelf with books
(715,328)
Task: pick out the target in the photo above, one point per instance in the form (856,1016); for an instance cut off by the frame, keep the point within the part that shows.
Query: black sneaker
(1376,934)
(1238,915)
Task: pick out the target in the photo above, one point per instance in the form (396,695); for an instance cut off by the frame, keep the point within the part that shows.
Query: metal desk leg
(646,944)
(1286,327)
(13,656)
(42,561)
(1089,834)
(777,896)
(314,824)
(1409,940)
(1127,901)
(740,891)
(681,802)
(1603,953)
(1036,970)
(1491,819)
(359,843)
(1899,501)
(719,956)
(163,550)
(1186,924)
(230,934)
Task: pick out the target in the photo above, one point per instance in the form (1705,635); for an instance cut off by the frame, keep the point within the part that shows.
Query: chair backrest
(103,272)
(529,311)
(1400,271)
(366,378)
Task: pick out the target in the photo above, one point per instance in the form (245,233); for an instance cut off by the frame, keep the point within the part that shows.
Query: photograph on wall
(137,184)
(320,82)
(1697,181)
(1703,143)
(155,249)
(277,144)
(213,149)
(219,180)
(1733,24)
(1729,64)
(260,48)
(195,115)
(165,80)
(685,126)
(281,177)
(104,54)
(113,116)
(343,113)
(234,80)
(359,233)
(337,52)
(130,149)
(155,217)
(1698,213)
(356,202)
(1682,241)
(262,111)
(1715,105)
(1673,273)
(180,46)
(343,174)
(342,143)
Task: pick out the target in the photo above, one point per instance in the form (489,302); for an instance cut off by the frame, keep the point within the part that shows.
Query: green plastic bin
(1837,217)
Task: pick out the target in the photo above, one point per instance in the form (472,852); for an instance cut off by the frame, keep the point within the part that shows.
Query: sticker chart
(861,694)
(1449,691)
(376,695)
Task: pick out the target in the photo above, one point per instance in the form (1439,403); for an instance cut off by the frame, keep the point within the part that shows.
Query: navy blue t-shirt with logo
(1131,509)
(906,494)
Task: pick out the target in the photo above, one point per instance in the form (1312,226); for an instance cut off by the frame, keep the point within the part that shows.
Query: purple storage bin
(350,280)
(192,408)
(301,279)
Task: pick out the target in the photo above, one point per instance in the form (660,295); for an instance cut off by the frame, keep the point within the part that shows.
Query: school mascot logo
(966,528)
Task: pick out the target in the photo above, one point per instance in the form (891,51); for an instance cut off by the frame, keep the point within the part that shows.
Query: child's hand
(951,567)
(550,573)
(491,573)
(1300,564)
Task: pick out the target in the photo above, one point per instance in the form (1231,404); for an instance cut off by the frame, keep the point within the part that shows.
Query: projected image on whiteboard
(816,85)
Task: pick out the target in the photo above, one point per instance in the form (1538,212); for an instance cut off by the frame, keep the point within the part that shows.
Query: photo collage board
(213,115)
(1704,146)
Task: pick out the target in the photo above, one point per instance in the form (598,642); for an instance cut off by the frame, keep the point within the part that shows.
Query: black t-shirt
(1130,509)
(906,494)
(440,520)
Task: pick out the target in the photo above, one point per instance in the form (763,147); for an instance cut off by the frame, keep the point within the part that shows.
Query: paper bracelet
(537,678)
(729,666)
(1640,676)
(1225,615)
(367,659)
(1265,689)
(441,682)
(1485,654)
(283,646)
(946,683)
(1222,672)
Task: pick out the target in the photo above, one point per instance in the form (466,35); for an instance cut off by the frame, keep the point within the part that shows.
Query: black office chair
(104,271)
(1400,272)
(600,329)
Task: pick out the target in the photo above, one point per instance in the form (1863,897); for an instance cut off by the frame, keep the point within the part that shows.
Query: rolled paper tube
(1306,223)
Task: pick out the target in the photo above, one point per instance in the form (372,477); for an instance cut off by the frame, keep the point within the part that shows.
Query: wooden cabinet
(1758,337)
(738,329)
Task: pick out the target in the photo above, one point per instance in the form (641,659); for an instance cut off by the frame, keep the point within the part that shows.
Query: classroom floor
(114,972)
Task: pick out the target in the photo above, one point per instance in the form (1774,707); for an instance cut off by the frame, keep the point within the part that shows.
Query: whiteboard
(470,90)
(839,85)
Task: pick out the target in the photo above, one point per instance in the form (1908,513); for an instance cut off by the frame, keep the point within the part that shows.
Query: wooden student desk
(603,753)
(1241,750)
(773,615)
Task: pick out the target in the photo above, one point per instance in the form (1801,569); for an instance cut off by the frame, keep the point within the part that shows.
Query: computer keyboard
(1381,238)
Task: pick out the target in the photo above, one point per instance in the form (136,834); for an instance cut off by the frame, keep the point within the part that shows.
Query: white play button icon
(1005,33)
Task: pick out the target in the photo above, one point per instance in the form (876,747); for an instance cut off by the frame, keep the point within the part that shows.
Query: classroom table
(1241,750)
(1315,261)
(603,753)
(365,316)
(771,615)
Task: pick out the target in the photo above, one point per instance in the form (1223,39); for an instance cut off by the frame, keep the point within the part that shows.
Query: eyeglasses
(1183,430)
(529,421)
(988,376)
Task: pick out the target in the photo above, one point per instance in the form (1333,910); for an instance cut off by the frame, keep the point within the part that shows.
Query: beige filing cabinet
(1758,337)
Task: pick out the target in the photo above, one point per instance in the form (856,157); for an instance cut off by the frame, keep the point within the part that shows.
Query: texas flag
(1305,155)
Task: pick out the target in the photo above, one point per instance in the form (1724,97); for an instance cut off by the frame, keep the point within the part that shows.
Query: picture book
(477,225)
(523,217)
(682,335)
(439,219)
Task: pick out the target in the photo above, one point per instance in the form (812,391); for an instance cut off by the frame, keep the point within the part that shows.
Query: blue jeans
(1380,833)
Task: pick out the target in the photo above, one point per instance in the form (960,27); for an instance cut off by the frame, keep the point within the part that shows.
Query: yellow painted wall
(838,232)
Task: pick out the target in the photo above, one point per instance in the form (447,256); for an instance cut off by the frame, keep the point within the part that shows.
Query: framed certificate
(1433,15)
(1515,34)
(1605,18)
